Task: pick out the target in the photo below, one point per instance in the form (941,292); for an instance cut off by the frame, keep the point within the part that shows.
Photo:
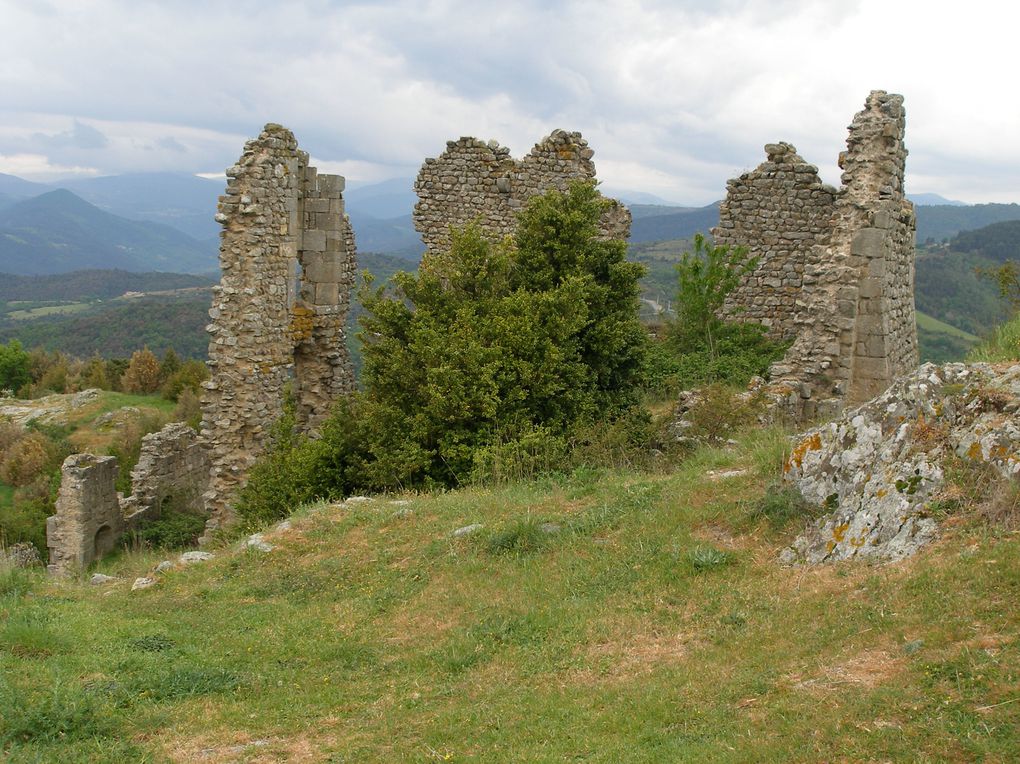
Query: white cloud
(681,95)
(37,167)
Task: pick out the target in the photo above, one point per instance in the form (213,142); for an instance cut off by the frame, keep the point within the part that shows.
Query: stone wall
(779,211)
(88,521)
(170,475)
(91,517)
(852,319)
(477,181)
(288,264)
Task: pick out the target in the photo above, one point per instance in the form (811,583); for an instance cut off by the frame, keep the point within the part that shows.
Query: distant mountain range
(58,231)
(164,221)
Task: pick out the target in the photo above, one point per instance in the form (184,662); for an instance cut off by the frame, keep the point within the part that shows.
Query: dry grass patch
(867,669)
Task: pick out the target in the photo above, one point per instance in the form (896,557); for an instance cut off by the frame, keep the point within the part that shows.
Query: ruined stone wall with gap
(170,476)
(779,211)
(91,517)
(853,319)
(288,264)
(477,181)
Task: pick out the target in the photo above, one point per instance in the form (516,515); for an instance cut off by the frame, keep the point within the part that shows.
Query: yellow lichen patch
(839,532)
(975,452)
(301,323)
(567,154)
(812,443)
(880,493)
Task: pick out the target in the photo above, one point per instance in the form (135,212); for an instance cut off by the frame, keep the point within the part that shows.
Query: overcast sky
(675,97)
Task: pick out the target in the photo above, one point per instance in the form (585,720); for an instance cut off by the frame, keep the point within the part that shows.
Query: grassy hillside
(603,617)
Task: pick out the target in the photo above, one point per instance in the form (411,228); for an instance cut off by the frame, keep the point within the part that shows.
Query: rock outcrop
(879,468)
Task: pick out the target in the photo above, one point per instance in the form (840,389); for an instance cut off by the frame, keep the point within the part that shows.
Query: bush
(142,374)
(27,459)
(188,376)
(481,366)
(717,413)
(173,530)
(708,348)
(189,409)
(14,367)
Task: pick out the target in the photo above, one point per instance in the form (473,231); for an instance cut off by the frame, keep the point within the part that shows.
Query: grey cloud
(80,136)
(170,143)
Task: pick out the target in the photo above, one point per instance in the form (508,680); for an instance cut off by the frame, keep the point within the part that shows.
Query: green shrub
(173,530)
(480,366)
(15,367)
(718,413)
(523,457)
(187,376)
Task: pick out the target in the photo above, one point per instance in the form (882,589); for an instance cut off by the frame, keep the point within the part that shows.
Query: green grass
(931,324)
(602,616)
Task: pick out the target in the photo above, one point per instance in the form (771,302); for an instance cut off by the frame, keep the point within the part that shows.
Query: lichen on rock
(878,467)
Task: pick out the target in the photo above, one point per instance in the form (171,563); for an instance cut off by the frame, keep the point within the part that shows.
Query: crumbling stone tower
(837,266)
(475,181)
(288,264)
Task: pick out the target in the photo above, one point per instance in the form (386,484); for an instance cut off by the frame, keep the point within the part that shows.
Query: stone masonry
(171,475)
(780,212)
(88,521)
(91,517)
(837,267)
(475,181)
(288,264)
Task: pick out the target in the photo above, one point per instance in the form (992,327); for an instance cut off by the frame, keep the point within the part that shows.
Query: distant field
(931,324)
(58,309)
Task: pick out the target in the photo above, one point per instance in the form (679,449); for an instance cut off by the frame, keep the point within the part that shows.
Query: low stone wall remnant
(91,516)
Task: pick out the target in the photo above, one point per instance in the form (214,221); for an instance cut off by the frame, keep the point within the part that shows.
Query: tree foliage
(15,367)
(142,375)
(489,343)
(706,347)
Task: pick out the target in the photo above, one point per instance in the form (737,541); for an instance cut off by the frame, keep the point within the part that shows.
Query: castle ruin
(91,517)
(478,182)
(288,265)
(836,270)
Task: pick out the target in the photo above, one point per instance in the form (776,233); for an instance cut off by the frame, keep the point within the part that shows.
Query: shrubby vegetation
(501,360)
(700,347)
(30,457)
(495,357)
